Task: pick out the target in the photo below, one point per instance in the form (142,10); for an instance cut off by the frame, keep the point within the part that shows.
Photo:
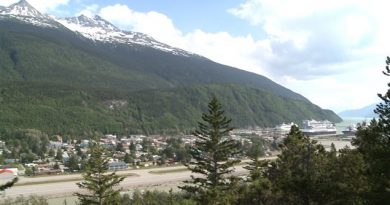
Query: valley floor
(65,185)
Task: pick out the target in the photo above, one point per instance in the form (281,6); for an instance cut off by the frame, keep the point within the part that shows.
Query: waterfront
(349,121)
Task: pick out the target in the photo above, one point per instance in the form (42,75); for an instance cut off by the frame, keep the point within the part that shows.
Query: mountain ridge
(364,112)
(124,53)
(95,28)
(50,71)
(98,29)
(23,11)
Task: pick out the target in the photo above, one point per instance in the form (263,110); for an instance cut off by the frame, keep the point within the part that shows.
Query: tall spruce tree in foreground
(99,184)
(373,141)
(211,157)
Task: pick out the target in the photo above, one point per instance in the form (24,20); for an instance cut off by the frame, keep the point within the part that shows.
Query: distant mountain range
(79,74)
(365,112)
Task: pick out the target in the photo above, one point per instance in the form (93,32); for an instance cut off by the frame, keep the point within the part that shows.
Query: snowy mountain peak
(95,22)
(98,29)
(23,11)
(23,3)
(22,8)
(95,28)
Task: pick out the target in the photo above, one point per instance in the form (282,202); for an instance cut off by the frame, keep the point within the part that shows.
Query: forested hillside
(57,81)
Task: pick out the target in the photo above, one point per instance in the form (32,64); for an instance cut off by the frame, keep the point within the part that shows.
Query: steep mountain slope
(66,109)
(57,56)
(138,53)
(76,74)
(139,50)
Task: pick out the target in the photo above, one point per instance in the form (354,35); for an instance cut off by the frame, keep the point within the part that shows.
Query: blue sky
(187,15)
(330,51)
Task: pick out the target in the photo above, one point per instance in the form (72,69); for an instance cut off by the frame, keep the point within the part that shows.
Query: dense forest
(66,111)
(56,81)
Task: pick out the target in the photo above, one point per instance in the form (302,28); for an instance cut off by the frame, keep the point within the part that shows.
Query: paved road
(141,178)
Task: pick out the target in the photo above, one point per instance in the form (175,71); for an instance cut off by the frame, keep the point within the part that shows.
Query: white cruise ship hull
(311,132)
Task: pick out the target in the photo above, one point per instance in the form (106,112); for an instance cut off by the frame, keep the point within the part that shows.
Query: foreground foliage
(303,174)
(8,184)
(155,198)
(22,200)
(373,142)
(212,157)
(99,184)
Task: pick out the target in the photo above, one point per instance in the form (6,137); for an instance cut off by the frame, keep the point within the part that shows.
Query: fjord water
(350,121)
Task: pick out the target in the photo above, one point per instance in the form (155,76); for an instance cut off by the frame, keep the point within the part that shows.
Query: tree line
(303,173)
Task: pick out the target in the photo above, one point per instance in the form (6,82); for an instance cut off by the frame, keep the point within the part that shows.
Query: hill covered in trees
(60,82)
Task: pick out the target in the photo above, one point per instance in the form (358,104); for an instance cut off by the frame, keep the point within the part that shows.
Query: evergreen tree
(8,184)
(373,141)
(297,174)
(128,159)
(99,184)
(73,163)
(212,157)
(56,166)
(256,167)
(51,153)
(132,149)
(344,181)
(258,188)
(59,154)
(119,147)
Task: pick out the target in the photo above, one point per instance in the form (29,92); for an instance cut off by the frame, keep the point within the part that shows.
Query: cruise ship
(285,126)
(283,129)
(350,130)
(315,128)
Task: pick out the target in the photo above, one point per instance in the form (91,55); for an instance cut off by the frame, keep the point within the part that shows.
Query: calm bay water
(348,122)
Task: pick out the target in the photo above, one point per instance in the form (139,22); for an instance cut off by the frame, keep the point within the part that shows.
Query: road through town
(65,185)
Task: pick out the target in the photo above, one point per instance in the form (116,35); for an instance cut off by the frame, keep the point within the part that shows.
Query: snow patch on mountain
(23,11)
(98,29)
(23,8)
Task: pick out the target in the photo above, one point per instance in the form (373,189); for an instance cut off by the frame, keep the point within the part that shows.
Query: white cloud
(241,52)
(344,91)
(153,23)
(41,5)
(7,2)
(329,51)
(316,38)
(220,47)
(89,10)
